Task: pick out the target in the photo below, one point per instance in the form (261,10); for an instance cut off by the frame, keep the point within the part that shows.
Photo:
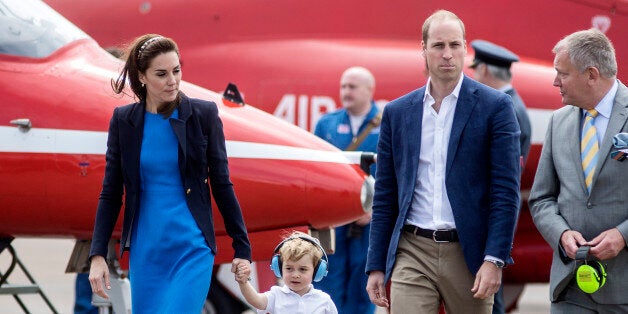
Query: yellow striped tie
(589,147)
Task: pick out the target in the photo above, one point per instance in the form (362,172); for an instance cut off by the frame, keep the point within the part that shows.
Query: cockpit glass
(32,29)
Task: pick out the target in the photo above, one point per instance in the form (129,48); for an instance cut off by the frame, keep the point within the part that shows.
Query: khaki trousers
(426,273)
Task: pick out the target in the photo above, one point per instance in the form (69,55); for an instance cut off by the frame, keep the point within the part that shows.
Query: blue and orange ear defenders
(591,275)
(320,270)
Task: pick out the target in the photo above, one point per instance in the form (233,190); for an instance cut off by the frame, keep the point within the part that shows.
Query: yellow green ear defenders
(591,275)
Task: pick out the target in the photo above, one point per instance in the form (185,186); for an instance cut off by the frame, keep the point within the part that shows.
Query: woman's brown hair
(139,55)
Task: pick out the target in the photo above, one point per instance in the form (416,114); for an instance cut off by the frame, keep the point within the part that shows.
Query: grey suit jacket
(559,200)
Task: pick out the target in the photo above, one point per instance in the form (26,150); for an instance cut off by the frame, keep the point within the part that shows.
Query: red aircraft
(55,87)
(287,57)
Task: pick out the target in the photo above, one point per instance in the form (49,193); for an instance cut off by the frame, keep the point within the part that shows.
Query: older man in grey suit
(580,194)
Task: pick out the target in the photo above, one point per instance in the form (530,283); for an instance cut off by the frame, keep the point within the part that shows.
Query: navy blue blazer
(482,174)
(202,155)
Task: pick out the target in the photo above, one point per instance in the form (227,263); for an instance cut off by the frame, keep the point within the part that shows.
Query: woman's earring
(143,85)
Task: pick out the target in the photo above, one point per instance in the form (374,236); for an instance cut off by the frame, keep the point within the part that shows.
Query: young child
(297,260)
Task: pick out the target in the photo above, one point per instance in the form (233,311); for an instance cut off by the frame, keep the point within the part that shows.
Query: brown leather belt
(440,235)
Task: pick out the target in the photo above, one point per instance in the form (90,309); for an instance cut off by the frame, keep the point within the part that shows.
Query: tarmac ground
(46,260)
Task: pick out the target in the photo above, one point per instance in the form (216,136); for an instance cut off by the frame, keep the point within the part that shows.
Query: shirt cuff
(491,258)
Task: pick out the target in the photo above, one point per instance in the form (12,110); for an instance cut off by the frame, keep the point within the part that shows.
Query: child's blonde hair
(299,244)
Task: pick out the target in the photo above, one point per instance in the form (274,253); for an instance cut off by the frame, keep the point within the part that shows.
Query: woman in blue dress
(161,151)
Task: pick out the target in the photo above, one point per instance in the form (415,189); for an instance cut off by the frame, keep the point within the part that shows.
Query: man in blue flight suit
(492,67)
(346,280)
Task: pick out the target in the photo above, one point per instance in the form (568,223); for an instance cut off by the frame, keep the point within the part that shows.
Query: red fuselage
(51,173)
(286,57)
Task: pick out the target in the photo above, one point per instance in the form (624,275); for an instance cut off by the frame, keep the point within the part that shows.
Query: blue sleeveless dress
(170,261)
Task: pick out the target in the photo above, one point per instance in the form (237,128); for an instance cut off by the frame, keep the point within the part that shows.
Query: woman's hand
(99,274)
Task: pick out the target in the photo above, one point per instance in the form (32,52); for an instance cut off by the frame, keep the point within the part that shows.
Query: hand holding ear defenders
(320,269)
(591,275)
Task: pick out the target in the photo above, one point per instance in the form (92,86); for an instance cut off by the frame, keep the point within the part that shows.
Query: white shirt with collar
(282,300)
(430,207)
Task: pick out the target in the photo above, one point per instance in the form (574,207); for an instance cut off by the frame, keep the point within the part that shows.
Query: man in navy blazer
(446,194)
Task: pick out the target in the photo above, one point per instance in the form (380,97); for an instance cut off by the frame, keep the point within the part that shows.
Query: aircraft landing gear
(17,289)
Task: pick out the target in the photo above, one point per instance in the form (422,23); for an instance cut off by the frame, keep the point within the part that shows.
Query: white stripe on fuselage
(59,141)
(52,141)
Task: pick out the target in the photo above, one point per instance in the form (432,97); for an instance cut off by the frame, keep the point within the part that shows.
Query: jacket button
(188,191)
(589,205)
(205,180)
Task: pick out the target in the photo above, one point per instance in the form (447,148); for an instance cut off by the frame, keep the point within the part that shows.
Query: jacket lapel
(467,100)
(618,118)
(570,144)
(178,126)
(131,134)
(412,124)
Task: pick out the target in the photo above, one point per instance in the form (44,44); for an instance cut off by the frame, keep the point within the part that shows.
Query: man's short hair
(440,15)
(589,48)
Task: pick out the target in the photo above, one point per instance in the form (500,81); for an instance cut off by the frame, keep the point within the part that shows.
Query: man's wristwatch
(497,263)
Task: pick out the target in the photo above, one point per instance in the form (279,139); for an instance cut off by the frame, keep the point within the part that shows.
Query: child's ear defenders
(320,270)
(591,275)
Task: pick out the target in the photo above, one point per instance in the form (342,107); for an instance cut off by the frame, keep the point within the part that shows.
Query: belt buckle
(434,235)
